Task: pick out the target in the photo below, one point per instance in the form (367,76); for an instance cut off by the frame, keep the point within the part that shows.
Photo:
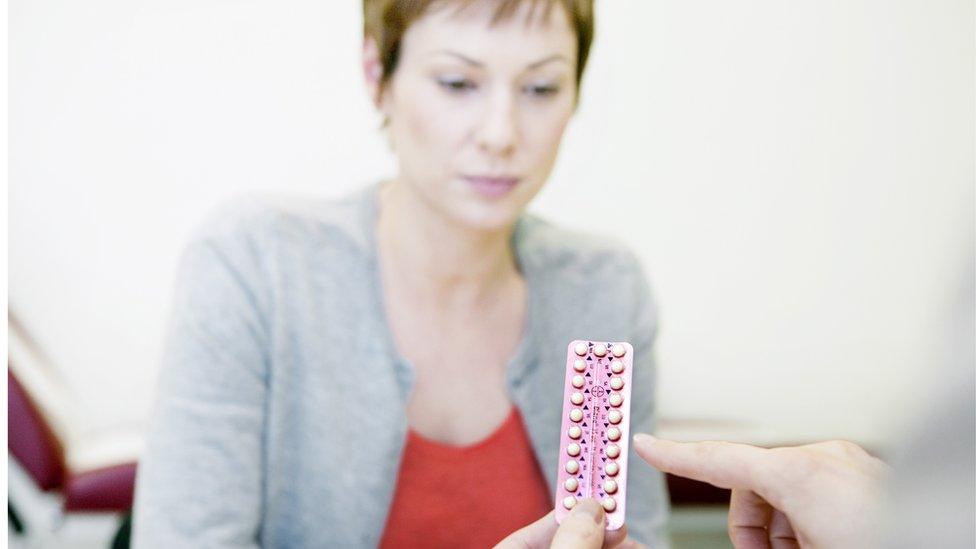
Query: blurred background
(798,178)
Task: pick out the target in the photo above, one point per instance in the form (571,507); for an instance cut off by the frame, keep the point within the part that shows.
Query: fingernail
(643,439)
(589,508)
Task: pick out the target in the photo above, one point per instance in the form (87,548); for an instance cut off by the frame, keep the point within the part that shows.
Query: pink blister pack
(596,428)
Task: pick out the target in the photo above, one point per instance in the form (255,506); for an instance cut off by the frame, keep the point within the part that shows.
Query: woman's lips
(490,186)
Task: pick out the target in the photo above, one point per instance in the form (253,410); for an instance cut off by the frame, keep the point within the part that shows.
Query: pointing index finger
(722,464)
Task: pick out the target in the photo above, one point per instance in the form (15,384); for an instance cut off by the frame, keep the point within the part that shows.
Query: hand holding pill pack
(595,428)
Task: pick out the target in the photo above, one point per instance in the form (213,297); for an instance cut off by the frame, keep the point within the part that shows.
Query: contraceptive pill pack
(595,428)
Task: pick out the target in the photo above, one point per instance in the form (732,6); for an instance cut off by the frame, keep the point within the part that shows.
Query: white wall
(798,177)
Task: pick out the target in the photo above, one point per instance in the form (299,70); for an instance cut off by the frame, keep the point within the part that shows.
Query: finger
(582,528)
(723,464)
(749,516)
(614,538)
(781,534)
(534,536)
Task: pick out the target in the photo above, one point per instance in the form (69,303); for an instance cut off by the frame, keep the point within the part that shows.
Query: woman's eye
(542,90)
(456,84)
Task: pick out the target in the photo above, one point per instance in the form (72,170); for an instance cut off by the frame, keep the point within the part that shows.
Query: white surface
(797,177)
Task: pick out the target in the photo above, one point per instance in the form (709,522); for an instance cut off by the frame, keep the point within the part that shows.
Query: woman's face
(477,110)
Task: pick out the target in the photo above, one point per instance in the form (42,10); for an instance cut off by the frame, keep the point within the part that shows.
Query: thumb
(582,528)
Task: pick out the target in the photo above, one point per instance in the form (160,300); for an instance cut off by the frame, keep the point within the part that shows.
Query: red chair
(33,444)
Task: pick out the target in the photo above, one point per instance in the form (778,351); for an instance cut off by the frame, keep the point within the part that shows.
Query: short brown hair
(387,20)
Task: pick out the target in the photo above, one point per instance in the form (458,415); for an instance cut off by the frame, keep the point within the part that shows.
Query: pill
(573,449)
(615,400)
(576,414)
(614,416)
(619,350)
(581,349)
(616,383)
(579,365)
(610,486)
(571,484)
(613,450)
(612,468)
(613,433)
(572,467)
(576,398)
(600,350)
(609,504)
(575,432)
(570,501)
(578,381)
(616,366)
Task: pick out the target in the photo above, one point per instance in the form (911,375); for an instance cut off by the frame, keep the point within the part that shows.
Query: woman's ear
(373,71)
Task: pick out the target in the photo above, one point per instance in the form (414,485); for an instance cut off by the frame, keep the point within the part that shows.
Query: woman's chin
(473,211)
(482,216)
(489,213)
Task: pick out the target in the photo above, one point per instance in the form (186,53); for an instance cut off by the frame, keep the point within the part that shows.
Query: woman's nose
(498,131)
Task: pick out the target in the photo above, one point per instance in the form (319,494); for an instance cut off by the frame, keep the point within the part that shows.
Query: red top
(469,496)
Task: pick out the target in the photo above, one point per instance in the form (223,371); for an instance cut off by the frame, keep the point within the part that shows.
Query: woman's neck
(437,258)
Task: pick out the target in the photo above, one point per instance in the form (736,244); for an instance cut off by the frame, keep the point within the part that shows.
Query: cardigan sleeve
(200,480)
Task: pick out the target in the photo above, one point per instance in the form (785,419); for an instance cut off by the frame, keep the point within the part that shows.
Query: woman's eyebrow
(555,57)
(460,56)
(475,63)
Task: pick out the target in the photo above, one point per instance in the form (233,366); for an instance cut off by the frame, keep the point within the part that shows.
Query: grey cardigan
(280,419)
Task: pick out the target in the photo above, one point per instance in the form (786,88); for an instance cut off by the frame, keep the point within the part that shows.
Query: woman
(387,369)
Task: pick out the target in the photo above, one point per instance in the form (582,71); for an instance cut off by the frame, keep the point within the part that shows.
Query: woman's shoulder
(570,267)
(554,249)
(262,220)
